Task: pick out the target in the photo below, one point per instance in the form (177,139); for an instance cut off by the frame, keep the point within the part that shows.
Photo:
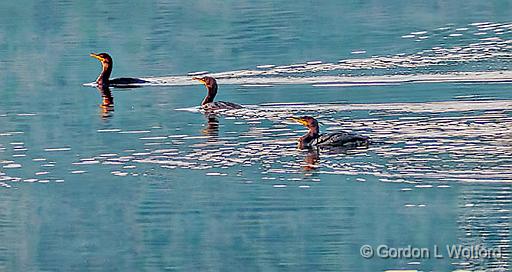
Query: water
(152,184)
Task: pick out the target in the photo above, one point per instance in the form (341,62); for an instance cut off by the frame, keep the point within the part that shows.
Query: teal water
(154,185)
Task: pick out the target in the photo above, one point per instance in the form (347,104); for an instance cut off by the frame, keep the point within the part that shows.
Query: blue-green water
(153,185)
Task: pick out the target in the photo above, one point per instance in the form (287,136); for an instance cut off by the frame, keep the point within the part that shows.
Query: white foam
(12,165)
(57,149)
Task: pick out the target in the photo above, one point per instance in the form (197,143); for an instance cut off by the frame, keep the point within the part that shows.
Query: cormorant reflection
(313,154)
(212,126)
(107,101)
(312,157)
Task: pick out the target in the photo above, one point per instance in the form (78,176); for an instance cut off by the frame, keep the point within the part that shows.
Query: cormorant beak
(96,56)
(299,120)
(199,79)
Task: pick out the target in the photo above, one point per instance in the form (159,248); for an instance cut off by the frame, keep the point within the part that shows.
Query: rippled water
(140,179)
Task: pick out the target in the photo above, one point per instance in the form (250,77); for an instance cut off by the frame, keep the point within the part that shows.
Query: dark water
(151,184)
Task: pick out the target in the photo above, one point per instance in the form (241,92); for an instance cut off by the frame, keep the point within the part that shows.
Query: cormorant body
(313,138)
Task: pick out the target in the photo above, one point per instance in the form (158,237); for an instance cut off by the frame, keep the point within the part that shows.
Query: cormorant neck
(104,77)
(305,140)
(314,131)
(212,92)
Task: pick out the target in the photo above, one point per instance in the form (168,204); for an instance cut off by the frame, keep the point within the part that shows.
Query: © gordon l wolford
(439,252)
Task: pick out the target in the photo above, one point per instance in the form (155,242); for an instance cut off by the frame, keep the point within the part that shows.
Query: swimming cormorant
(313,138)
(104,77)
(208,103)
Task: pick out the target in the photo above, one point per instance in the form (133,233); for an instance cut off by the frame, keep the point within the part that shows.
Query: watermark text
(461,252)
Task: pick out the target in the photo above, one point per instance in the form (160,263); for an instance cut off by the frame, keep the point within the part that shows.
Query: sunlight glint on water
(152,184)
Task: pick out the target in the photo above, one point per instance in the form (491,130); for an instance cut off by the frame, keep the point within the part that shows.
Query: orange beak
(96,56)
(299,120)
(199,79)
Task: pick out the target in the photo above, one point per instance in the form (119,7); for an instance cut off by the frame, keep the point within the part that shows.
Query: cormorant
(104,77)
(208,103)
(337,139)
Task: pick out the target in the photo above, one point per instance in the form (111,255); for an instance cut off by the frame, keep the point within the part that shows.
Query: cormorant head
(209,82)
(104,58)
(307,121)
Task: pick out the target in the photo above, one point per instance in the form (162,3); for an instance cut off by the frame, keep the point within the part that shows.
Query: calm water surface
(152,184)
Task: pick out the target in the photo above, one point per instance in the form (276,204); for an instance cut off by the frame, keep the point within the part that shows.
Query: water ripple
(481,57)
(485,221)
(433,142)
